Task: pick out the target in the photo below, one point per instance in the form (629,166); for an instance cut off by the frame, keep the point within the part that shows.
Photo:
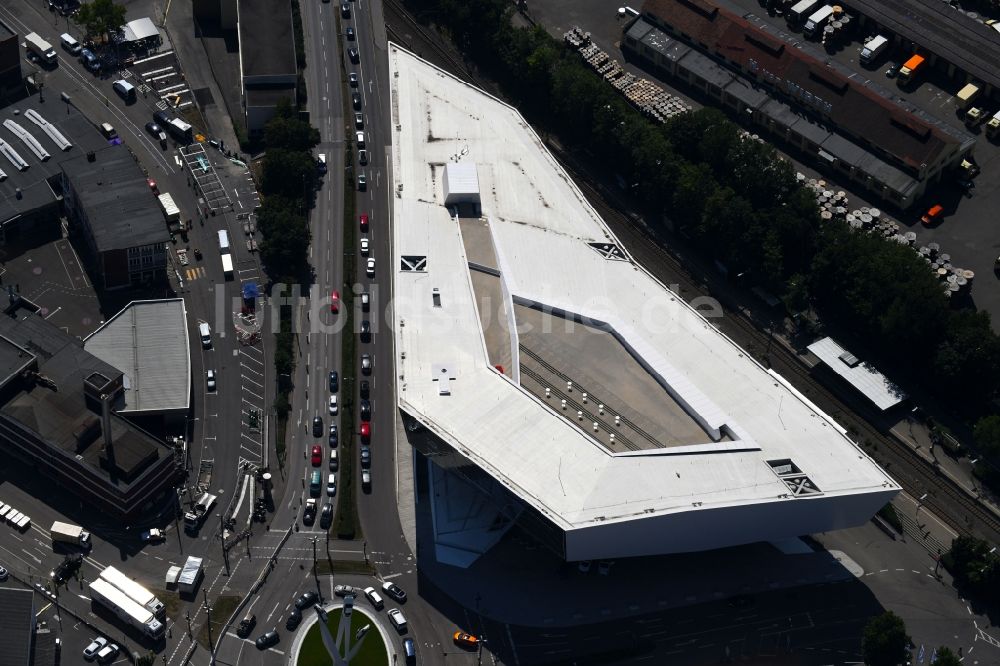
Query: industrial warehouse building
(817,106)
(550,382)
(58,416)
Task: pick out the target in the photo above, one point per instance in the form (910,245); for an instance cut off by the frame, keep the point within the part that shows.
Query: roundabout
(340,634)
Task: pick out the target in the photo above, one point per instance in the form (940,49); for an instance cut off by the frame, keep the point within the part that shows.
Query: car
(366,410)
(892,70)
(366,364)
(334,460)
(366,480)
(326,517)
(364,246)
(331,486)
(604,567)
(965,184)
(334,381)
(356,101)
(465,640)
(398,619)
(265,641)
(365,430)
(210,380)
(350,33)
(345,10)
(364,222)
(334,439)
(359,121)
(294,618)
(107,653)
(366,301)
(365,389)
(932,215)
(317,456)
(394,591)
(90,652)
(584,566)
(353,55)
(362,157)
(409,651)
(370,268)
(306,599)
(90,61)
(317,426)
(334,408)
(366,330)
(345,591)
(4,575)
(334,301)
(362,182)
(352,78)
(149,181)
(366,457)
(67,568)
(157,132)
(309,513)
(374,597)
(246,625)
(152,535)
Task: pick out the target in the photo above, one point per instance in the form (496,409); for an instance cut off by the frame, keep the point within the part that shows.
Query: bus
(134,591)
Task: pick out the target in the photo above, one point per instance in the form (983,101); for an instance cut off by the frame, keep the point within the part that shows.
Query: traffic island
(308,648)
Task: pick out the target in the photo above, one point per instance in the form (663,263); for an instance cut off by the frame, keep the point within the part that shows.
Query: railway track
(915,475)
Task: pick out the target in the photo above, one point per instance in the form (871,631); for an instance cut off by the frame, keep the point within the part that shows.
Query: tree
(969,355)
(945,657)
(885,640)
(290,133)
(987,435)
(289,174)
(101,18)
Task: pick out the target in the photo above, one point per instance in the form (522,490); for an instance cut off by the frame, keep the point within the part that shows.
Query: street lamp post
(208,611)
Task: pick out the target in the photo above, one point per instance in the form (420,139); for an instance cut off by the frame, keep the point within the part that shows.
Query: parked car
(892,70)
(334,408)
(366,410)
(365,430)
(398,619)
(157,132)
(364,246)
(90,60)
(366,457)
(352,78)
(331,487)
(353,55)
(366,330)
(933,215)
(362,157)
(334,440)
(366,480)
(265,641)
(334,301)
(345,10)
(365,389)
(370,267)
(362,182)
(350,33)
(326,517)
(210,380)
(3,574)
(394,591)
(90,652)
(366,364)
(107,653)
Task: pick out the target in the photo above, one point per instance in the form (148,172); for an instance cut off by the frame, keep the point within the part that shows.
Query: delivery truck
(134,591)
(171,213)
(41,49)
(127,610)
(196,515)
(816,21)
(873,48)
(799,11)
(71,534)
(909,70)
(993,126)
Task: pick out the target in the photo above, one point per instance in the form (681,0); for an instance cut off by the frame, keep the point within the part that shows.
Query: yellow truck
(967,95)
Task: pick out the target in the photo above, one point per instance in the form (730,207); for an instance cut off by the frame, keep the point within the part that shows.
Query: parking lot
(966,231)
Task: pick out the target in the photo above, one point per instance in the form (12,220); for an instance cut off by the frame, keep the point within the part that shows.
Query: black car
(356,101)
(65,570)
(353,55)
(350,33)
(162,118)
(893,70)
(157,132)
(366,410)
(366,331)
(365,389)
(267,640)
(307,599)
(334,439)
(317,427)
(326,517)
(309,513)
(394,591)
(366,457)
(294,618)
(334,381)
(352,79)
(345,10)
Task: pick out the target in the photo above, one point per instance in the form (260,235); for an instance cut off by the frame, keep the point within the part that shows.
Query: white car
(331,484)
(364,246)
(95,646)
(333,405)
(107,653)
(398,619)
(210,380)
(370,268)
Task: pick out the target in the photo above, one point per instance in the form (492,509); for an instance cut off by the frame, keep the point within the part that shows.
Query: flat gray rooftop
(267,41)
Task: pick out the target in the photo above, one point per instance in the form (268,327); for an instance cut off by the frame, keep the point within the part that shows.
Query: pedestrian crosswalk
(192,274)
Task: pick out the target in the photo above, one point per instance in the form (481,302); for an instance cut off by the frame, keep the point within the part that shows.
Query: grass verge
(222,608)
(327,567)
(373,651)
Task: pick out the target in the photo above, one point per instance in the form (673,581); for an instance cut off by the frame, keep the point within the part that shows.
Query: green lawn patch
(373,651)
(222,609)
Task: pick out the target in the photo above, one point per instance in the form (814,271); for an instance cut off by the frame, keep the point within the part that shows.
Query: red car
(317,456)
(364,222)
(334,301)
(932,215)
(366,431)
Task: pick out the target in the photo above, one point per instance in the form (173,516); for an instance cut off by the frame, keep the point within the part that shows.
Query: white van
(108,131)
(873,48)
(223,241)
(206,335)
(361,139)
(69,43)
(125,89)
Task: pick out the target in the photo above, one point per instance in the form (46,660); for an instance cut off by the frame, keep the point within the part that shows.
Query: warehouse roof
(559,265)
(148,342)
(120,207)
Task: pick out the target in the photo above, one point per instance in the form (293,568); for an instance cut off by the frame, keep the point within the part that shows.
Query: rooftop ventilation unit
(62,143)
(849,359)
(28,140)
(12,155)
